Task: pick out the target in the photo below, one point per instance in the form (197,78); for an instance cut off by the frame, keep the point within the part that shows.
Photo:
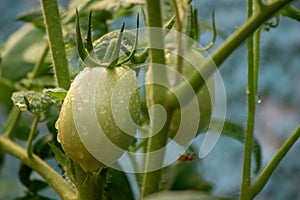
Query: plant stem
(56,43)
(246,178)
(61,187)
(155,95)
(151,179)
(32,134)
(87,185)
(179,27)
(269,169)
(228,46)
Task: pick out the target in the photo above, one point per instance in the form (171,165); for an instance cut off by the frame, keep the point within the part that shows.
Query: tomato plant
(122,108)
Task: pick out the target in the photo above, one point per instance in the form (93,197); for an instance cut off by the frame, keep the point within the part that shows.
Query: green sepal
(83,54)
(115,55)
(89,39)
(133,50)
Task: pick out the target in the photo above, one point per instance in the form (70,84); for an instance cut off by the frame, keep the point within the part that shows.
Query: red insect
(186,157)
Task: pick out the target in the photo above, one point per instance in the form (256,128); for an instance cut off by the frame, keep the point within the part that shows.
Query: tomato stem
(246,179)
(32,134)
(155,95)
(58,183)
(56,43)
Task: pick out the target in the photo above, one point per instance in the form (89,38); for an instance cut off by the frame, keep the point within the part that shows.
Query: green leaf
(291,12)
(237,132)
(42,148)
(60,156)
(21,51)
(34,16)
(118,186)
(32,185)
(57,93)
(35,102)
(19,55)
(64,161)
(51,115)
(183,195)
(185,176)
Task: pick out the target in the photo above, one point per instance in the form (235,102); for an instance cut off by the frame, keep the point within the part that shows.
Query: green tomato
(204,98)
(113,97)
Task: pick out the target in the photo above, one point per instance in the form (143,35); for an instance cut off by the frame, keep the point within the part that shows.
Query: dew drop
(22,107)
(259,100)
(58,139)
(80,155)
(247,90)
(56,124)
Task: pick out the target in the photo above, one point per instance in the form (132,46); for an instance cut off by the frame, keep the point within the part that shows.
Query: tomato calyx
(113,49)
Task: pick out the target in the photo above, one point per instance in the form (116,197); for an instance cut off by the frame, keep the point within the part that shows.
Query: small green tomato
(204,97)
(105,91)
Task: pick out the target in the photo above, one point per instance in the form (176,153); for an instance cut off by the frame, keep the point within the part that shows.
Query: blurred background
(278,112)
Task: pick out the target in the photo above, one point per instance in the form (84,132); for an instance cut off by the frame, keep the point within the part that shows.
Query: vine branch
(197,80)
(269,169)
(155,95)
(251,94)
(61,187)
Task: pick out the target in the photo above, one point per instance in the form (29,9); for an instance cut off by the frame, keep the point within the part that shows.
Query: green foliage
(35,102)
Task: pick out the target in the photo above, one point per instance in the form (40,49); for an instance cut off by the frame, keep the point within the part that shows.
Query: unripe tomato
(204,97)
(103,91)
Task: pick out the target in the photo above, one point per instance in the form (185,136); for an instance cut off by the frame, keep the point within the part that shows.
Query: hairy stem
(32,134)
(179,27)
(56,43)
(155,95)
(61,187)
(246,178)
(87,185)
